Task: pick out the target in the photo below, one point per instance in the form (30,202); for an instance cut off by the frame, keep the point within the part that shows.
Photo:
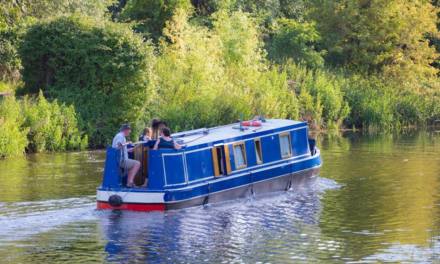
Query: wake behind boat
(215,164)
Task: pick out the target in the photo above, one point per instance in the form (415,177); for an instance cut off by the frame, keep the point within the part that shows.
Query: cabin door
(141,155)
(220,159)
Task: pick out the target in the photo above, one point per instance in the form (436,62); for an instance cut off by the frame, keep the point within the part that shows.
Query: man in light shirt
(120,142)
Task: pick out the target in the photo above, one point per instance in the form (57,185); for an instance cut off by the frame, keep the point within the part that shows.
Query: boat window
(240,155)
(286,147)
(217,156)
(258,151)
(220,159)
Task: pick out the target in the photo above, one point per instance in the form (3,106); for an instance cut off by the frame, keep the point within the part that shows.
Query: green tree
(294,40)
(16,16)
(378,36)
(149,16)
(101,68)
(12,11)
(10,62)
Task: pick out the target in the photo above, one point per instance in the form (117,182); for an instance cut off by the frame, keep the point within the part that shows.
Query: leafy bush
(52,127)
(37,125)
(7,87)
(372,104)
(12,135)
(101,68)
(320,95)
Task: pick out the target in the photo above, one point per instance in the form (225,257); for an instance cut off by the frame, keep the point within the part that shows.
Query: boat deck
(231,131)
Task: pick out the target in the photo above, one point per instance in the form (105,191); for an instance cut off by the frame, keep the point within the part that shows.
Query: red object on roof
(253,123)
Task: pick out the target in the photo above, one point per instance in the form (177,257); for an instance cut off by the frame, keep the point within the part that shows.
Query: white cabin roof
(231,131)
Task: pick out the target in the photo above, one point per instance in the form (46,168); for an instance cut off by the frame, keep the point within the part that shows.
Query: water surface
(377,200)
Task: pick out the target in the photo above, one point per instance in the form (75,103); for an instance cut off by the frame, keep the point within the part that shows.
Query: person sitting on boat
(156,126)
(120,142)
(166,141)
(145,135)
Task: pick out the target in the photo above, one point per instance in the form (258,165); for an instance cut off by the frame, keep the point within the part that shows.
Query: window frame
(223,159)
(286,134)
(260,152)
(241,143)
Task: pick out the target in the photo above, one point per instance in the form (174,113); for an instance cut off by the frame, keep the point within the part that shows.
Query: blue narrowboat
(215,164)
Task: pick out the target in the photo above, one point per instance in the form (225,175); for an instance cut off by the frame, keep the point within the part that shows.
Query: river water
(377,200)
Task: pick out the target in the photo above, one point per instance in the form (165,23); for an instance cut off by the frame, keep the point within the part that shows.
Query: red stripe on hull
(131,207)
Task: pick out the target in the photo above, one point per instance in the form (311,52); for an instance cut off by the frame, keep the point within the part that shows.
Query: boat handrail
(203,130)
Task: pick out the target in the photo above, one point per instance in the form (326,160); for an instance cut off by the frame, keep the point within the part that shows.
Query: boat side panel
(188,203)
(199,164)
(271,171)
(300,143)
(227,182)
(230,194)
(186,193)
(280,183)
(302,179)
(242,179)
(112,177)
(174,169)
(271,148)
(269,185)
(156,177)
(250,152)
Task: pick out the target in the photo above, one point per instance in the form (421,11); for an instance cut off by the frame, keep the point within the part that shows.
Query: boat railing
(191,133)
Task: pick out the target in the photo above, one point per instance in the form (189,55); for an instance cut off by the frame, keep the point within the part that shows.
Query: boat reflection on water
(252,229)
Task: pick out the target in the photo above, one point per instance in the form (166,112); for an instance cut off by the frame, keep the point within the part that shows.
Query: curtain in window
(258,151)
(239,155)
(285,146)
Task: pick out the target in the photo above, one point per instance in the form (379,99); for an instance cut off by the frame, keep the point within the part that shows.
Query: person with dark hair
(166,141)
(120,142)
(155,128)
(146,135)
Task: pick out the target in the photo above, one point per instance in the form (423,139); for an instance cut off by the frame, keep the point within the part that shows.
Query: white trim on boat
(132,197)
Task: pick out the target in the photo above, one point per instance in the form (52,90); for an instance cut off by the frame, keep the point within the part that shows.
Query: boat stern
(134,200)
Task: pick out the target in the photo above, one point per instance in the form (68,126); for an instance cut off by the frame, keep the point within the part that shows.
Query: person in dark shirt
(156,127)
(165,140)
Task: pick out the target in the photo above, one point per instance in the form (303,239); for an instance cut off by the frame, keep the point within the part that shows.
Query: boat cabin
(210,154)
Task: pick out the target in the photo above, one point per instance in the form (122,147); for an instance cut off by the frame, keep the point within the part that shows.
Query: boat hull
(145,201)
